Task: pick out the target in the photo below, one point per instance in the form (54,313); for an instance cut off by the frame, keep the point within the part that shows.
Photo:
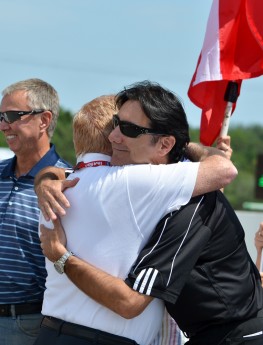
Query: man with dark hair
(120,217)
(165,112)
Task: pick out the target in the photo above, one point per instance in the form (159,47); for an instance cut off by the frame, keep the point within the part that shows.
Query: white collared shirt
(113,212)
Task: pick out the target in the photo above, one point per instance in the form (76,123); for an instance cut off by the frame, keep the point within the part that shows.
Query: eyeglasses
(14,115)
(131,130)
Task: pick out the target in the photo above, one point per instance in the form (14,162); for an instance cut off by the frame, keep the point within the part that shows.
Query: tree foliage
(246,143)
(63,137)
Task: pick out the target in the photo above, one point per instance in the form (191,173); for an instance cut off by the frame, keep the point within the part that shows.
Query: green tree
(246,143)
(2,140)
(63,136)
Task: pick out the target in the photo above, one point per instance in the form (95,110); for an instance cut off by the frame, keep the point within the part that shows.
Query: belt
(20,309)
(91,334)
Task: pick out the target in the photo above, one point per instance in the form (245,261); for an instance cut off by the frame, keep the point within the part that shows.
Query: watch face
(59,267)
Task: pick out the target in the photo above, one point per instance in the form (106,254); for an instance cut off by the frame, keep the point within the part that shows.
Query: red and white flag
(232,51)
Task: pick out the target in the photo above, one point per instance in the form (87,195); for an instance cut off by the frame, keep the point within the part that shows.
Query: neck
(24,163)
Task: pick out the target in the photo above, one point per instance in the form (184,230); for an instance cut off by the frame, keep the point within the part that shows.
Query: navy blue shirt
(22,265)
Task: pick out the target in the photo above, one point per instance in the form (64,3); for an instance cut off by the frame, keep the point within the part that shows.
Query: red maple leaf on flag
(232,51)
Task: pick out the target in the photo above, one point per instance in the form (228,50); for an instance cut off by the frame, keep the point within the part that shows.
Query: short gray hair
(41,95)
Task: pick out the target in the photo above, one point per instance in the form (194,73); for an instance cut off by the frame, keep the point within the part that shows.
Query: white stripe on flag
(209,67)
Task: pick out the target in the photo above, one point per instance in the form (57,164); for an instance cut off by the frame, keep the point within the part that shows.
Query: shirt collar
(89,157)
(50,158)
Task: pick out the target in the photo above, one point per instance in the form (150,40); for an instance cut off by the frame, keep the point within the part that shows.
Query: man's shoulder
(52,158)
(203,205)
(5,163)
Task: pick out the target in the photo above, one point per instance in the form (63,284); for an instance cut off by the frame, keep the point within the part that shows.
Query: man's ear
(46,118)
(166,144)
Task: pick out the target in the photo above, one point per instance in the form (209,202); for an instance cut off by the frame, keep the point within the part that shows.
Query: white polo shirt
(113,212)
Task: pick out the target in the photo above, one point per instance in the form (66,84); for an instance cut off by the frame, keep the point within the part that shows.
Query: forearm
(198,152)
(49,186)
(49,173)
(214,173)
(110,291)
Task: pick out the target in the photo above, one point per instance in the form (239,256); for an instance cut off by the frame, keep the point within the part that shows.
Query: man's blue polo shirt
(22,265)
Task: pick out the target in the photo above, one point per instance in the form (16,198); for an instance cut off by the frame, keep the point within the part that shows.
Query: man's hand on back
(53,241)
(50,184)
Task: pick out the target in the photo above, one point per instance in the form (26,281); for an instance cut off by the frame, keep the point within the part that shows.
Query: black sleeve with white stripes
(166,261)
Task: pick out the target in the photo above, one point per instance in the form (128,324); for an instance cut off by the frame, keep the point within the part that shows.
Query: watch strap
(60,263)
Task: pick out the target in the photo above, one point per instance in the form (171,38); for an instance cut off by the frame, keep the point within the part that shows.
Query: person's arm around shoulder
(110,291)
(197,152)
(49,185)
(215,170)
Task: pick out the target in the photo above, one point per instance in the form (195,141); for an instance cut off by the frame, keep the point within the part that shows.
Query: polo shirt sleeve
(164,264)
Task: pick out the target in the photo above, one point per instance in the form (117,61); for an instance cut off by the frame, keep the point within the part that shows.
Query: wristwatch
(60,263)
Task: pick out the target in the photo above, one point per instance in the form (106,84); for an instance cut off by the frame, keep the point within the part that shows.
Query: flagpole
(226,121)
(230,97)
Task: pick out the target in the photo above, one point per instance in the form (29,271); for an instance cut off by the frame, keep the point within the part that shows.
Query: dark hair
(165,111)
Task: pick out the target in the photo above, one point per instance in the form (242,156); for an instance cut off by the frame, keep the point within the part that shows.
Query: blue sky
(88,48)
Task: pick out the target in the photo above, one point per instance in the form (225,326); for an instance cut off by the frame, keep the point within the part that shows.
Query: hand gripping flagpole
(230,97)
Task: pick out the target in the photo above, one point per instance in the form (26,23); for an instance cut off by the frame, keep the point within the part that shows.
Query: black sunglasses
(14,115)
(131,130)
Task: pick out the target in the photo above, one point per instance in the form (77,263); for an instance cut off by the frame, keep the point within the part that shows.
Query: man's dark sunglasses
(131,130)
(14,115)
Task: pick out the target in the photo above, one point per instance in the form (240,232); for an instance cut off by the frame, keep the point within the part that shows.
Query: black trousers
(54,331)
(249,332)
